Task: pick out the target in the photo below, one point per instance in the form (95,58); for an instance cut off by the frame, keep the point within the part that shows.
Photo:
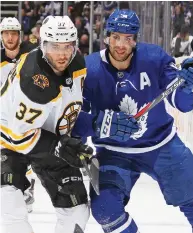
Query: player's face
(121,45)
(11,39)
(59,54)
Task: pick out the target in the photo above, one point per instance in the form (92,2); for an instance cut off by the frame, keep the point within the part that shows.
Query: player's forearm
(181,100)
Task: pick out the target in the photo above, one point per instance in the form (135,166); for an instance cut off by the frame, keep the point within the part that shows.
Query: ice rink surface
(147,207)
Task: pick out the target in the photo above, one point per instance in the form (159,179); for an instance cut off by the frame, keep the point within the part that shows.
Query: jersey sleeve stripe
(29,172)
(23,55)
(22,140)
(24,147)
(19,66)
(79,73)
(3,63)
(59,95)
(4,87)
(14,136)
(6,145)
(5,137)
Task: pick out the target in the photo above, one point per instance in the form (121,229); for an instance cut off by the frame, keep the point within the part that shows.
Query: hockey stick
(93,172)
(159,98)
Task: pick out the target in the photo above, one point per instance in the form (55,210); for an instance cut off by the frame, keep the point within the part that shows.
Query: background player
(13,49)
(121,80)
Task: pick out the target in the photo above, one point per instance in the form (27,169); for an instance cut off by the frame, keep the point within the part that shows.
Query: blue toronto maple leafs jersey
(151,71)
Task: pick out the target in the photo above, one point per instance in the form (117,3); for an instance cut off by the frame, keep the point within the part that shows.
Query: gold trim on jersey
(20,64)
(4,87)
(22,55)
(14,136)
(24,145)
(63,127)
(3,63)
(78,73)
(59,95)
(29,172)
(6,145)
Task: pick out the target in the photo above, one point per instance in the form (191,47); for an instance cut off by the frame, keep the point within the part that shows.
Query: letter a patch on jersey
(144,80)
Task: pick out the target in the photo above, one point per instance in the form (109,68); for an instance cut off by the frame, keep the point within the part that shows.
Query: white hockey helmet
(58,29)
(10,24)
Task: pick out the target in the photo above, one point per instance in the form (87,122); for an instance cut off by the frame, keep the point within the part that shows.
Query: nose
(61,55)
(120,43)
(9,37)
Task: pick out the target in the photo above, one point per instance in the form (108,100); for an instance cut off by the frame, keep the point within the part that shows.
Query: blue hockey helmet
(123,21)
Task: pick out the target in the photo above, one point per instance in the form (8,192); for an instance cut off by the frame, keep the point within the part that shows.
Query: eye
(129,39)
(55,47)
(69,47)
(115,37)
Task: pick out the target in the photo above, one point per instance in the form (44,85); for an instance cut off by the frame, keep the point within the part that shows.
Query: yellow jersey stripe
(59,95)
(4,87)
(29,172)
(6,145)
(14,136)
(79,73)
(23,147)
(3,63)
(22,55)
(19,66)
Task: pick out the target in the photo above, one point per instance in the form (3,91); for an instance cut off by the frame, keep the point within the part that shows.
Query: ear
(106,40)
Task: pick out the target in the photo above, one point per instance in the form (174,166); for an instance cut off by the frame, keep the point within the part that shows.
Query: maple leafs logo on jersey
(129,106)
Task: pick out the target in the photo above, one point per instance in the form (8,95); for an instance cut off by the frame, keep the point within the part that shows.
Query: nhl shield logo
(120,74)
(69,81)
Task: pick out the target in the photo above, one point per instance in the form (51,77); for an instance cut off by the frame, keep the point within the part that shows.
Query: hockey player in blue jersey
(121,80)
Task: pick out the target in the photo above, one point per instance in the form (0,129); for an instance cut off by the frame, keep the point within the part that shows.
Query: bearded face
(121,45)
(10,39)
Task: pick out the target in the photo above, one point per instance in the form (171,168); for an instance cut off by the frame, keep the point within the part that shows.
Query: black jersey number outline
(23,110)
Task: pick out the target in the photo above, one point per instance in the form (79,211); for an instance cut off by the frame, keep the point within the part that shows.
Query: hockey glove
(187,74)
(115,125)
(70,149)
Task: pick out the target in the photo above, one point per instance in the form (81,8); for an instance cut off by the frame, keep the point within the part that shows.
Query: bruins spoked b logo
(68,118)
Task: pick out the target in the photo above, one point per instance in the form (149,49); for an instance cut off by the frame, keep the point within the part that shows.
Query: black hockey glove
(70,149)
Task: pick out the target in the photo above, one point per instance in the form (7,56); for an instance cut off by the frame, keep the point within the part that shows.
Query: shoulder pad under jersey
(77,63)
(35,83)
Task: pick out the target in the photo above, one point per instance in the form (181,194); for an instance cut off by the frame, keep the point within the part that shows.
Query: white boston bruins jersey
(35,99)
(7,64)
(6,67)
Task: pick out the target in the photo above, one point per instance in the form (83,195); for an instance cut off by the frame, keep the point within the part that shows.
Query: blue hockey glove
(115,125)
(187,74)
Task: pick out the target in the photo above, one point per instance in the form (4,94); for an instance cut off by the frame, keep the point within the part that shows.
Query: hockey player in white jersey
(40,102)
(14,49)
